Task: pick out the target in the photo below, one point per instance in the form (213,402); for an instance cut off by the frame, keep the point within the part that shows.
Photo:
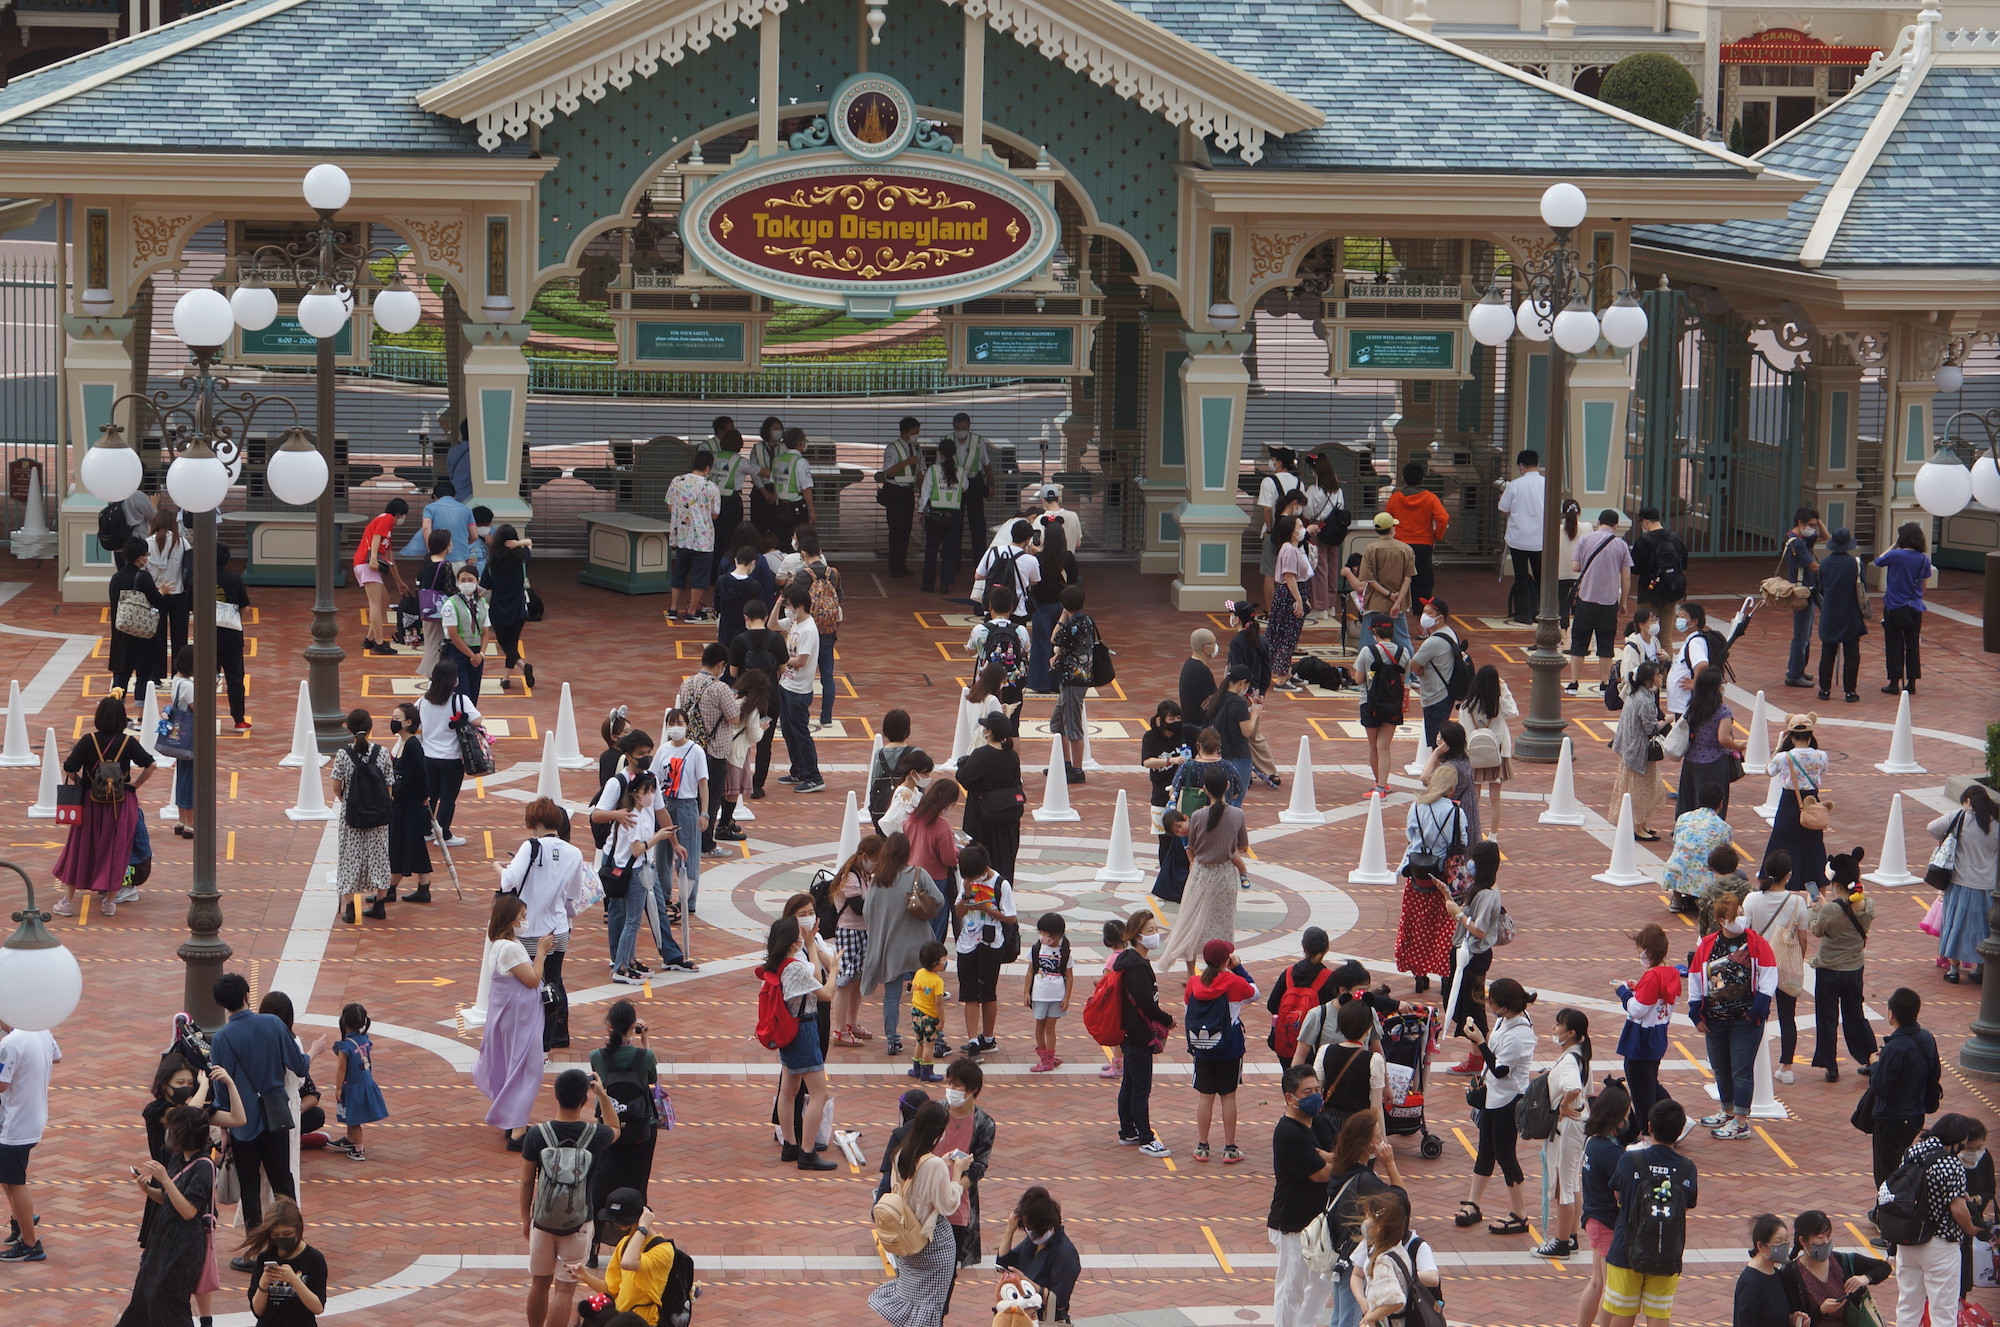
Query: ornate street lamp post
(203,426)
(333,271)
(1557,310)
(40,982)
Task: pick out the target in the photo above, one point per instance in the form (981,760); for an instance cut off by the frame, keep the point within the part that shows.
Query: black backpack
(1387,694)
(1905,1217)
(678,1295)
(1656,1230)
(1458,685)
(638,1113)
(1535,1108)
(366,801)
(600,832)
(755,656)
(113,531)
(1669,579)
(826,907)
(1614,690)
(1006,570)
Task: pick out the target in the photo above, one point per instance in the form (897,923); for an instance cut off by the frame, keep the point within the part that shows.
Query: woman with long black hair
(990,774)
(1712,753)
(364,849)
(1145,1025)
(1059,572)
(409,806)
(934,1188)
(136,659)
(505,580)
(179,1258)
(440,709)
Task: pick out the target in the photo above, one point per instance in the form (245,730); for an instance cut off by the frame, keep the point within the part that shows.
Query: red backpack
(1298,1001)
(1104,1011)
(776,1025)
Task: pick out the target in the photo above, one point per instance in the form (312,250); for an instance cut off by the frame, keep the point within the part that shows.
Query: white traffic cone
(1768,808)
(1304,809)
(1118,867)
(476,1015)
(961,731)
(1624,869)
(1564,809)
(1757,746)
(169,809)
(34,539)
(1902,749)
(568,754)
(1374,865)
(149,725)
(45,798)
(548,783)
(850,836)
(312,797)
(1055,795)
(305,748)
(17,751)
(1089,762)
(1893,867)
(1420,752)
(1764,1103)
(867,782)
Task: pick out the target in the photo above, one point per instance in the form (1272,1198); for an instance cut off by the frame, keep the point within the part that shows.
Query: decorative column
(1830,482)
(1600,386)
(1214,386)
(1163,486)
(99,368)
(496,402)
(1914,357)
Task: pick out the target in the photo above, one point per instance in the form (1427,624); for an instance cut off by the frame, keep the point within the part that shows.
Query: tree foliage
(1656,86)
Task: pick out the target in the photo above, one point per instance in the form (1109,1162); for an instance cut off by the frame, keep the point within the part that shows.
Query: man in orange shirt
(1421,521)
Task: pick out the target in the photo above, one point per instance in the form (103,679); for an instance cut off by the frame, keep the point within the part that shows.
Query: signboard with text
(285,342)
(1398,351)
(694,340)
(1029,345)
(678,342)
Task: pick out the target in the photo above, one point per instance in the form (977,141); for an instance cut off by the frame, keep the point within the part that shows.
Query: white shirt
(1521,502)
(693,768)
(645,823)
(1027,573)
(970,938)
(507,955)
(25,1059)
(801,637)
(1772,910)
(1567,1075)
(1513,1042)
(1680,677)
(550,889)
(440,742)
(1050,988)
(1273,487)
(1072,525)
(165,563)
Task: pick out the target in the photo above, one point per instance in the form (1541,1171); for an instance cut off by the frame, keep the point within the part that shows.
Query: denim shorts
(1048,1009)
(801,1055)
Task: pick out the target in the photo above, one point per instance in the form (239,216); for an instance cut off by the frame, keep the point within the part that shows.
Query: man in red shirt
(374,560)
(1421,521)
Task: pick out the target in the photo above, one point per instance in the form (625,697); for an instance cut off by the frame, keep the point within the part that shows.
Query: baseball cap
(1384,521)
(1051,492)
(623,1207)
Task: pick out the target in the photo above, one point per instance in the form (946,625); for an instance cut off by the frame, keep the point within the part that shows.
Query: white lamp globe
(1491,320)
(1563,206)
(1950,377)
(1531,319)
(397,309)
(327,188)
(297,475)
(255,307)
(203,318)
(322,312)
(1986,482)
(1624,323)
(1944,485)
(112,474)
(1576,328)
(198,483)
(39,988)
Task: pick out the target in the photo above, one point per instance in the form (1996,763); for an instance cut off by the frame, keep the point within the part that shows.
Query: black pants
(1472,996)
(446,777)
(974,506)
(1850,664)
(509,636)
(1837,1001)
(271,1153)
(764,746)
(718,805)
(180,607)
(1893,1136)
(1788,1027)
(1642,1078)
(941,551)
(902,515)
(229,658)
(1135,1093)
(1900,629)
(726,522)
(1527,599)
(1499,1144)
(1425,581)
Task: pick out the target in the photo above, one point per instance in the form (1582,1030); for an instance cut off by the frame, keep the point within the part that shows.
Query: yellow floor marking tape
(1221,1258)
(1768,1142)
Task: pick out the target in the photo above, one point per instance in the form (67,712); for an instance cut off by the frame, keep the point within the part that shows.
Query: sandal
(861,1032)
(1468,1214)
(1515,1224)
(842,1038)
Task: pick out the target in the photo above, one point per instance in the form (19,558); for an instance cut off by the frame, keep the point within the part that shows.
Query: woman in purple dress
(509,1067)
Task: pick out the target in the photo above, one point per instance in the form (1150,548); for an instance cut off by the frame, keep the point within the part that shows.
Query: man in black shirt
(1908,1082)
(1197,675)
(762,648)
(550,1252)
(1302,1163)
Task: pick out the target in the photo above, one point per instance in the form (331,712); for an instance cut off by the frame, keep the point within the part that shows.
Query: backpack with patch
(1656,1232)
(638,1112)
(1211,1033)
(113,530)
(365,801)
(1903,1203)
(107,776)
(1002,645)
(823,596)
(826,908)
(1104,1011)
(1668,581)
(896,1226)
(777,1025)
(1296,1003)
(562,1185)
(1387,694)
(600,833)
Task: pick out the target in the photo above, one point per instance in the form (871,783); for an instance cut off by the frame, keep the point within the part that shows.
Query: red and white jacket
(1763,965)
(1649,1008)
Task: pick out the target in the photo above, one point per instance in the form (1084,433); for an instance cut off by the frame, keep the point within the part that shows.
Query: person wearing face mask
(1288,600)
(1431,667)
(975,460)
(1641,645)
(547,871)
(1045,1255)
(1359,1149)
(288,1287)
(177,1084)
(1697,653)
(1731,980)
(984,911)
(1197,682)
(763,501)
(970,1132)
(681,768)
(990,776)
(1145,1027)
(1648,1003)
(1301,1165)
(1610,1113)
(1927,1270)
(902,463)
(916,770)
(409,806)
(934,848)
(1820,1283)
(801,974)
(1637,746)
(1167,743)
(465,617)
(1508,1056)
(1979,1187)
(1562,1155)
(1760,1299)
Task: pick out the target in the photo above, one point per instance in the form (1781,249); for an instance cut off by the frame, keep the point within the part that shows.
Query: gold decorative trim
(1271,255)
(156,236)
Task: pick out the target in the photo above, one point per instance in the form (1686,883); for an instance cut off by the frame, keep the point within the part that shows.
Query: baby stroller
(1407,1042)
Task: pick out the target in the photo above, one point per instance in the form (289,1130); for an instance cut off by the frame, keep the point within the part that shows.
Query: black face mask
(180,1095)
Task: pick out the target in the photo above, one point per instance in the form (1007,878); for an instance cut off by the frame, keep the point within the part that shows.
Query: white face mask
(645,801)
(1150,940)
(954,1097)
(1680,624)
(1653,628)
(677,733)
(1736,927)
(468,588)
(923,780)
(1214,650)
(1971,1159)
(1430,622)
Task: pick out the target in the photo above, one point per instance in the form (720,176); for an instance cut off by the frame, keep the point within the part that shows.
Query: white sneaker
(1155,1148)
(1784,1075)
(454,842)
(110,908)
(128,894)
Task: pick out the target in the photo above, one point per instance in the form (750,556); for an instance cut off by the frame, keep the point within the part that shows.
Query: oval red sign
(870,225)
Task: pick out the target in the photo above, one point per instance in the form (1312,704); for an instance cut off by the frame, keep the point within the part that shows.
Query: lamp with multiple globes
(1943,485)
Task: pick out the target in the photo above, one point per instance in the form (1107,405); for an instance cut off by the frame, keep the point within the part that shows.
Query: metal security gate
(27,379)
(1717,434)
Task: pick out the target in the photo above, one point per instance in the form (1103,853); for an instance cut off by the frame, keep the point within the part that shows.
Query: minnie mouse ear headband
(1242,610)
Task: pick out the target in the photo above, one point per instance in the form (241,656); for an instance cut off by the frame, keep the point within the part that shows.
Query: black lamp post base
(1541,738)
(205,959)
(1980,1057)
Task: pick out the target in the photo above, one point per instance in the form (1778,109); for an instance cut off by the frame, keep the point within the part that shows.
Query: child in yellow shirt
(927,1009)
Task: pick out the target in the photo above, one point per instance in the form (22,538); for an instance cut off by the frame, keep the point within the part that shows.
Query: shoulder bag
(919,902)
(136,615)
(1674,745)
(1944,858)
(1814,812)
(176,735)
(475,748)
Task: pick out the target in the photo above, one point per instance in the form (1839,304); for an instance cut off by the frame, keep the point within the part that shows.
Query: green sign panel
(681,342)
(1030,347)
(1389,351)
(285,337)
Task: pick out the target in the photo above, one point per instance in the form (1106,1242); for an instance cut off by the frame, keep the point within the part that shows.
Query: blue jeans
(1402,634)
(892,1004)
(1732,1051)
(827,640)
(1434,719)
(1800,658)
(623,915)
(685,813)
(1243,769)
(184,784)
(1041,627)
(794,714)
(1346,1312)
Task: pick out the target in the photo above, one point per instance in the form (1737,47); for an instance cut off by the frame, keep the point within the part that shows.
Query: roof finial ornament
(1420,15)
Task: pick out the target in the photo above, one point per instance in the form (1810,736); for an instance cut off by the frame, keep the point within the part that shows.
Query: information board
(1030,347)
(681,342)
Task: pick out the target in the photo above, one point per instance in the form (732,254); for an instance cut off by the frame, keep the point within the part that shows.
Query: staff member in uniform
(792,481)
(974,456)
(725,444)
(941,498)
(901,460)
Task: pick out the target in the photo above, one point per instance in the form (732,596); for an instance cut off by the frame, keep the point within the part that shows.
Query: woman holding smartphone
(289,1287)
(179,1257)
